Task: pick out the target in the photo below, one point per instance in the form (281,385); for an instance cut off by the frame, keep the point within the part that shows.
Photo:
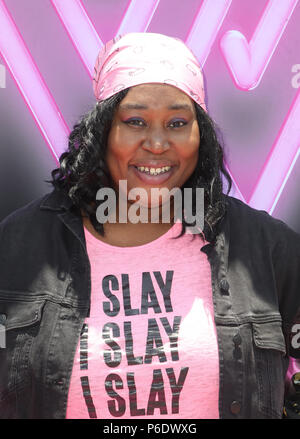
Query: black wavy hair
(83,171)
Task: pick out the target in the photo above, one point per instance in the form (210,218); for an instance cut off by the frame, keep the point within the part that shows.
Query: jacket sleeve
(286,262)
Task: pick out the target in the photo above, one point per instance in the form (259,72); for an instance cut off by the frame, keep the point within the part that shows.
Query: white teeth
(154,171)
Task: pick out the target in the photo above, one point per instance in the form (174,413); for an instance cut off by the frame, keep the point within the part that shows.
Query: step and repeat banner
(249,50)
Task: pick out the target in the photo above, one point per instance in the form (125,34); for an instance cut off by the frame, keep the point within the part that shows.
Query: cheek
(118,151)
(189,149)
(189,162)
(189,153)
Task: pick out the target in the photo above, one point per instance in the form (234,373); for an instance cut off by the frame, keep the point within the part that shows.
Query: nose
(156,140)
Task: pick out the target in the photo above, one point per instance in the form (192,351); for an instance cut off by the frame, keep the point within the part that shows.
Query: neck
(128,234)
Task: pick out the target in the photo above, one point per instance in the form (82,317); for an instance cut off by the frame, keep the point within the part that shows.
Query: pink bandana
(141,58)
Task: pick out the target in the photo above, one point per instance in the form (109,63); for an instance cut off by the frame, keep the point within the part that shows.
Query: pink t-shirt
(149,348)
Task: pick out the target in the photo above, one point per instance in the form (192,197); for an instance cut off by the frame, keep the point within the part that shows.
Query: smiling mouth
(152,170)
(153,175)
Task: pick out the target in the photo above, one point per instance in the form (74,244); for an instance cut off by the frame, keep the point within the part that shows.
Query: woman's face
(154,138)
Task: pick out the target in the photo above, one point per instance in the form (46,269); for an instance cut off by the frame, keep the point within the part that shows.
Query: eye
(134,122)
(177,123)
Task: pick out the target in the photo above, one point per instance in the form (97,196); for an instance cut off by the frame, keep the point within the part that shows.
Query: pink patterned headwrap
(142,58)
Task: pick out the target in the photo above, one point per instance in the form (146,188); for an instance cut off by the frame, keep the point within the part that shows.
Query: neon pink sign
(247,62)
(31,85)
(280,162)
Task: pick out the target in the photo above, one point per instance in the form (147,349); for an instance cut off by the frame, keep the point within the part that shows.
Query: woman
(109,317)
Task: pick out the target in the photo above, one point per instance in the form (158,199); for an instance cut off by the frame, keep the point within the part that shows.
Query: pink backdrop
(252,83)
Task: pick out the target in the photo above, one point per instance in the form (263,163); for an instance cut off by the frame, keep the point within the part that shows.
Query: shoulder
(246,219)
(34,215)
(243,214)
(28,210)
(272,250)
(24,218)
(236,207)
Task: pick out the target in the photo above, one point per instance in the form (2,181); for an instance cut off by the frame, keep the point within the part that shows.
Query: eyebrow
(144,107)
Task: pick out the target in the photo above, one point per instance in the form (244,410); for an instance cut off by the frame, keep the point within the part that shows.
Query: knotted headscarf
(142,58)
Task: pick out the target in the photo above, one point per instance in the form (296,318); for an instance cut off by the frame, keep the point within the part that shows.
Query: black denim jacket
(45,287)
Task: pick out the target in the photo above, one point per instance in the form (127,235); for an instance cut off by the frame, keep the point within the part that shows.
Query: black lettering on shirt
(148,292)
(84,347)
(117,407)
(129,346)
(134,410)
(172,334)
(154,338)
(126,297)
(111,312)
(109,361)
(157,398)
(176,387)
(86,391)
(165,288)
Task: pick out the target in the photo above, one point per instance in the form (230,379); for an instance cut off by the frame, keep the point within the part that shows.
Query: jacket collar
(56,201)
(218,244)
(60,202)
